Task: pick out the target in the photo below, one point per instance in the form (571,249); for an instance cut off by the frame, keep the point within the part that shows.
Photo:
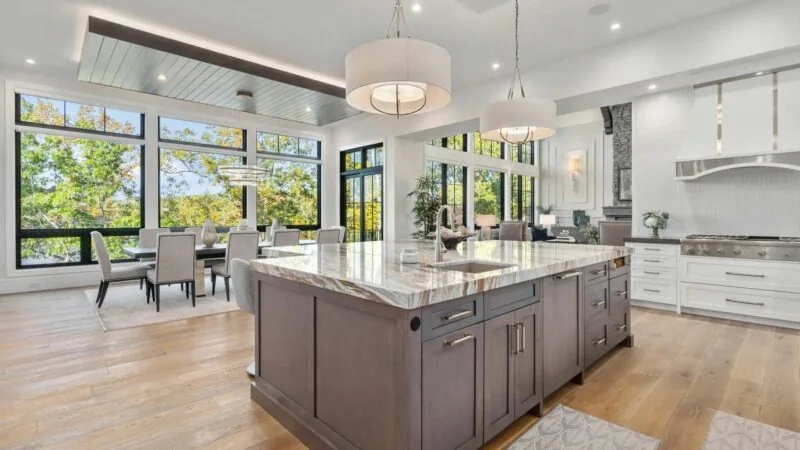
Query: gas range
(768,248)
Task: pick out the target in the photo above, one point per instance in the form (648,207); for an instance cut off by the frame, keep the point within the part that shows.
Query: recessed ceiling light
(416,7)
(308,109)
(615,26)
(495,66)
(652,87)
(30,61)
(244,95)
(758,74)
(162,77)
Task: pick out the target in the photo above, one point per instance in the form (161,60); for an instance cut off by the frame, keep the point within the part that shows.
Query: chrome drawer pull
(522,341)
(454,316)
(600,303)
(653,261)
(598,272)
(651,273)
(652,249)
(744,302)
(652,290)
(621,294)
(621,327)
(599,342)
(751,275)
(461,340)
(515,338)
(567,276)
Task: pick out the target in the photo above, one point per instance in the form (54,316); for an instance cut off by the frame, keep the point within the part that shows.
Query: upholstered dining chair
(614,233)
(328,236)
(241,245)
(112,273)
(148,238)
(243,294)
(285,238)
(175,259)
(513,230)
(197,231)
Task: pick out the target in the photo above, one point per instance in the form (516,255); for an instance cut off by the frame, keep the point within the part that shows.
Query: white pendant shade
(519,120)
(398,76)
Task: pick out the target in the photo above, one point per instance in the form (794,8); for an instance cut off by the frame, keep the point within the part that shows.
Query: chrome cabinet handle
(652,249)
(751,275)
(621,294)
(522,341)
(567,276)
(454,316)
(744,302)
(657,261)
(599,303)
(651,273)
(599,342)
(598,272)
(620,327)
(515,338)
(652,290)
(461,340)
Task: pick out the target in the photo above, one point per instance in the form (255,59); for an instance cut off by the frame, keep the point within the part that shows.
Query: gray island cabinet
(383,356)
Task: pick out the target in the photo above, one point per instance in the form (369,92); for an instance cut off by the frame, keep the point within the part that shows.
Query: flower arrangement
(591,233)
(656,221)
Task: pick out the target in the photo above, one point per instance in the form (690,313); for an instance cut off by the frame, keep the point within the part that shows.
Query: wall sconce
(574,168)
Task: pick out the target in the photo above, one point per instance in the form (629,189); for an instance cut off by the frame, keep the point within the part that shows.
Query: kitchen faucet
(439,250)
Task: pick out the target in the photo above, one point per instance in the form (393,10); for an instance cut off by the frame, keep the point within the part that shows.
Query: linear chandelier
(518,120)
(242,174)
(398,76)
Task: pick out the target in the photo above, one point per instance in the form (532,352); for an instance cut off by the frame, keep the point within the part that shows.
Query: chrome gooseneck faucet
(439,246)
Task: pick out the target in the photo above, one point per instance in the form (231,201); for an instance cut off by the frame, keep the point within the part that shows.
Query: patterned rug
(564,428)
(126,306)
(729,432)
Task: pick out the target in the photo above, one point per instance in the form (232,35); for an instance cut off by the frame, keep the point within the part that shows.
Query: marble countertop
(372,270)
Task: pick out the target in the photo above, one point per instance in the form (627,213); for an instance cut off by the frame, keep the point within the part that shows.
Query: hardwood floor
(65,383)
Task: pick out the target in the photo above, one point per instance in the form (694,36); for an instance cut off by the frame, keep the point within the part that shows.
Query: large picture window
(489,189)
(457,142)
(198,133)
(487,148)
(523,153)
(289,193)
(453,189)
(288,145)
(522,198)
(362,193)
(69,186)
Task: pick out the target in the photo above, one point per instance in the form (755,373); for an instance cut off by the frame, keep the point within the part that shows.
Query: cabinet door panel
(500,346)
(619,290)
(452,390)
(528,361)
(597,306)
(562,314)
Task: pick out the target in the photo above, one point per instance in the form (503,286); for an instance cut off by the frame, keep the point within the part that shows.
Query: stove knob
(762,253)
(737,252)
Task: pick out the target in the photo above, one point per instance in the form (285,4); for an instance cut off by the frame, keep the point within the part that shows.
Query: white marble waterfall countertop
(372,270)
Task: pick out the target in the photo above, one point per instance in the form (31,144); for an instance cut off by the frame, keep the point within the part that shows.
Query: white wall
(14,280)
(745,201)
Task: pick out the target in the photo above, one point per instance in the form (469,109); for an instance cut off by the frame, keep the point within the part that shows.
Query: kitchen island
(356,350)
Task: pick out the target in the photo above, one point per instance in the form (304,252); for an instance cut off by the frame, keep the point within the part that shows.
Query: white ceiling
(313,36)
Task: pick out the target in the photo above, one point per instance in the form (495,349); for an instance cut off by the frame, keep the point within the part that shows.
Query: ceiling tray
(694,168)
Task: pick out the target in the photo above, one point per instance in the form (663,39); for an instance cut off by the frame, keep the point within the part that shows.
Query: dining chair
(243,294)
(513,230)
(342,233)
(328,236)
(175,259)
(148,238)
(285,238)
(112,273)
(241,245)
(614,232)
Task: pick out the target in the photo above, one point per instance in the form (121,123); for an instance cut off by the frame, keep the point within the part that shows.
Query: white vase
(210,235)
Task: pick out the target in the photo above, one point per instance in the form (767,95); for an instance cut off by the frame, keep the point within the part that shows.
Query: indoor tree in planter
(427,201)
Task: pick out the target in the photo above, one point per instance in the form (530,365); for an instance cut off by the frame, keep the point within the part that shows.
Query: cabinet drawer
(619,267)
(654,249)
(596,298)
(596,273)
(447,317)
(748,302)
(618,292)
(596,342)
(774,276)
(655,261)
(658,273)
(510,298)
(618,328)
(657,291)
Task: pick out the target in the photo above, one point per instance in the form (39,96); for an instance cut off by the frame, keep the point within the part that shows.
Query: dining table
(202,253)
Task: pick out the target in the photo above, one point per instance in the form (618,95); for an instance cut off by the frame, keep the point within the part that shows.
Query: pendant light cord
(517,75)
(397,17)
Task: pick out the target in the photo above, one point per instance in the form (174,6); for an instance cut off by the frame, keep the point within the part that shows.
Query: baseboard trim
(741,318)
(653,305)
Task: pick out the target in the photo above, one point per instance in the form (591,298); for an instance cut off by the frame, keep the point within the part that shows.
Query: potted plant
(655,221)
(427,201)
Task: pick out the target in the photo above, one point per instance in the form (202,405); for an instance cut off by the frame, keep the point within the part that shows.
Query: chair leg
(158,297)
(99,292)
(228,288)
(194,299)
(187,289)
(213,283)
(141,282)
(181,287)
(103,296)
(148,289)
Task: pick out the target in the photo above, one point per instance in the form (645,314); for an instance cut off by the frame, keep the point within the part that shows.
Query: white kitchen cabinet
(747,113)
(789,110)
(654,275)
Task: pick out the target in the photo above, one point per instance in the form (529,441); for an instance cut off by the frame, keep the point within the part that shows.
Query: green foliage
(488,193)
(591,233)
(427,200)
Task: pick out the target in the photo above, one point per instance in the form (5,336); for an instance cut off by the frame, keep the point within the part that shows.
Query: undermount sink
(472,266)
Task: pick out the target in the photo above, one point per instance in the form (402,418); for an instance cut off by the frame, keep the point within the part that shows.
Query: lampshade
(519,120)
(547,220)
(486,220)
(398,76)
(242,175)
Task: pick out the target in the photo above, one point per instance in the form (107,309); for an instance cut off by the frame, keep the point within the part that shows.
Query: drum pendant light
(398,76)
(518,120)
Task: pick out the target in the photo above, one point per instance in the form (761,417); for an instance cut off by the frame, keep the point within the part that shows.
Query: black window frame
(517,198)
(482,151)
(289,155)
(301,227)
(445,141)
(243,148)
(502,194)
(443,168)
(519,150)
(361,173)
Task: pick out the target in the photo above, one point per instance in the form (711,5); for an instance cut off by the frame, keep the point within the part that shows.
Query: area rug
(729,432)
(564,428)
(126,306)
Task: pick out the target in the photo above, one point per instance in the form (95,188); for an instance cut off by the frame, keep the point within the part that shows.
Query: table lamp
(547,220)
(486,222)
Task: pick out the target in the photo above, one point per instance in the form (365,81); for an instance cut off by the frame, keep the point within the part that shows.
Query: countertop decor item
(522,119)
(398,75)
(426,203)
(655,221)
(210,236)
(486,222)
(580,218)
(592,233)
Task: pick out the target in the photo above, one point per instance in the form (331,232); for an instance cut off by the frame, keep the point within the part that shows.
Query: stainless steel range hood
(694,168)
